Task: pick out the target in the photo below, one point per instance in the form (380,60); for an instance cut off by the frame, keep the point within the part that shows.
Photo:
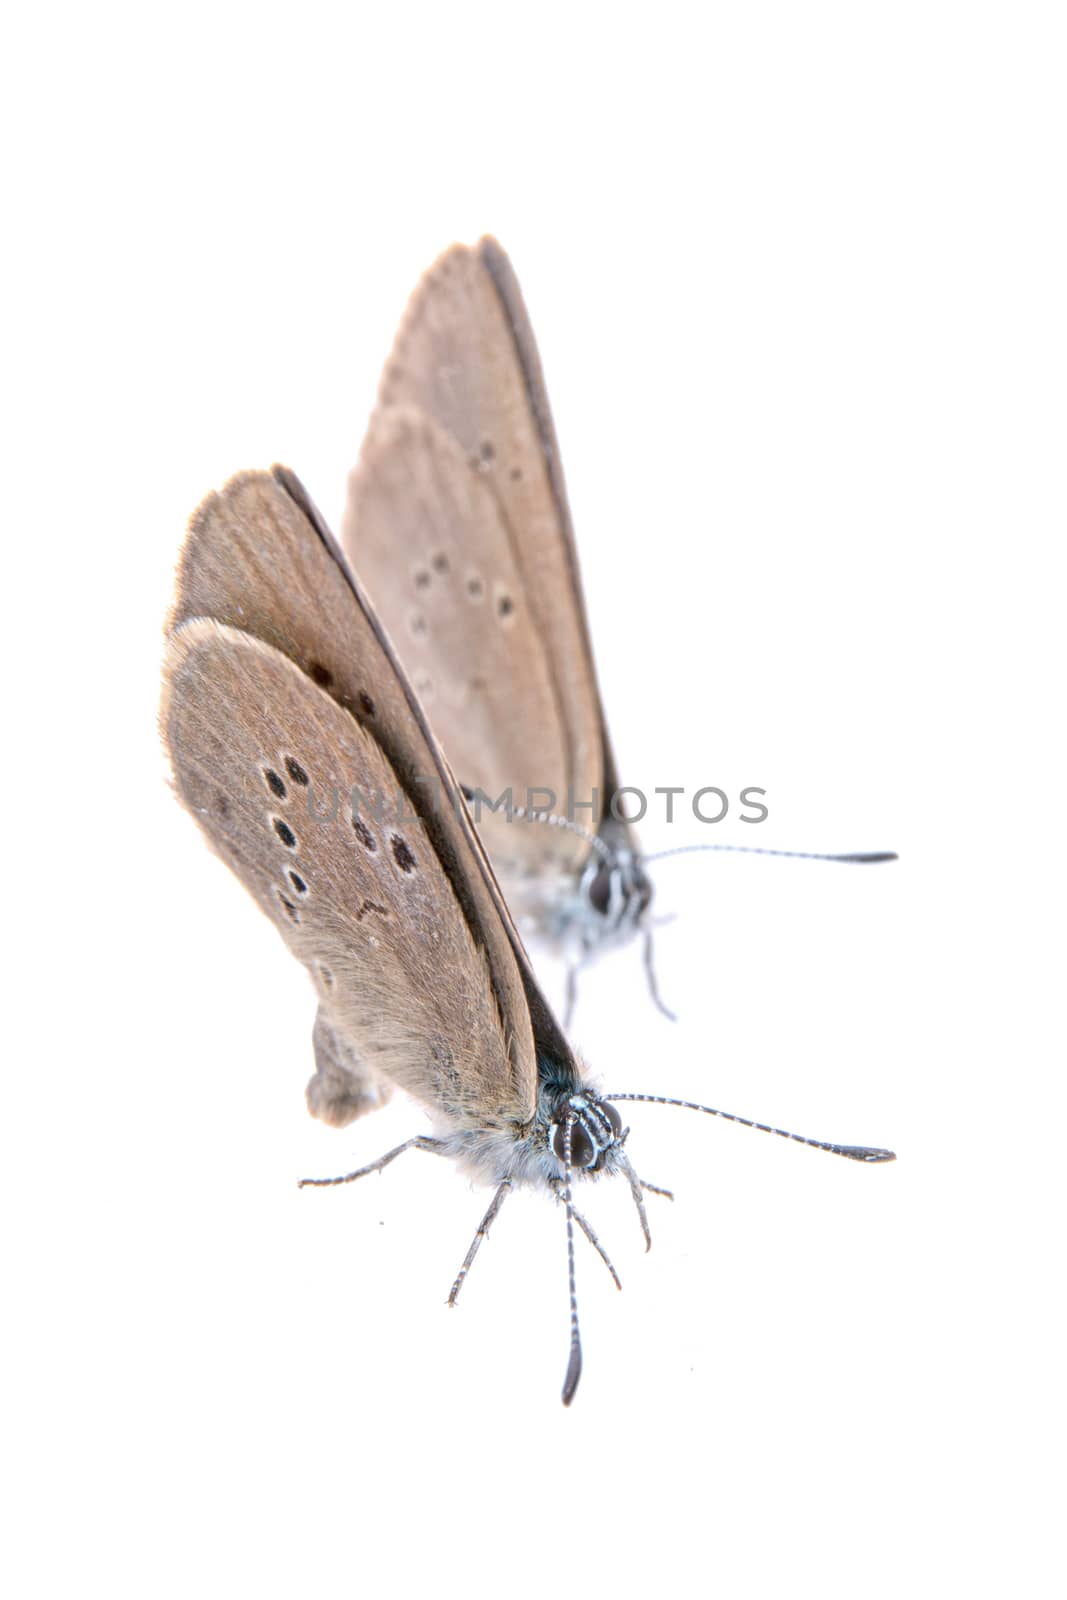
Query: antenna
(858,858)
(550,819)
(853,1152)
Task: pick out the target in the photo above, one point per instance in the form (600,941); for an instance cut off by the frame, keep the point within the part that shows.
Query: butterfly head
(617,890)
(594,1128)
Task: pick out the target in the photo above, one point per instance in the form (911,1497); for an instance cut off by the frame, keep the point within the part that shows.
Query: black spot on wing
(369,906)
(402,853)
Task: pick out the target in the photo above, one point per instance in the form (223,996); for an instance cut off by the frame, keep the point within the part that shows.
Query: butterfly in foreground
(282,696)
(457,522)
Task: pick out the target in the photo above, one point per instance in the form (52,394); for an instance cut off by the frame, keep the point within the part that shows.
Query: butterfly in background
(458,523)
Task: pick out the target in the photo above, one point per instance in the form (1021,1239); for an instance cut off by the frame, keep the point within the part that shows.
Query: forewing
(259,557)
(463,355)
(497,264)
(260,755)
(430,540)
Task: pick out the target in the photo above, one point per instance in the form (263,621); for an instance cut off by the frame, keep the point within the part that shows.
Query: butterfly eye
(582,1152)
(600,890)
(613,1117)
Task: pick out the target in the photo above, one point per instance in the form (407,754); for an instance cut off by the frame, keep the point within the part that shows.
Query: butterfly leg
(650,973)
(636,1187)
(483,1230)
(571,998)
(586,1228)
(421,1141)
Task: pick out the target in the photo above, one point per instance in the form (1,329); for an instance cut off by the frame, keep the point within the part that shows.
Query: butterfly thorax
(570,1119)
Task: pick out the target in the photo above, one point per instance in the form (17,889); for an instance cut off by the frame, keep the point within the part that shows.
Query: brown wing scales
(410,989)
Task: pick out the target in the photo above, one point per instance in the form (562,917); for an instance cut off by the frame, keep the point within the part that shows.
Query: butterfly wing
(429,526)
(465,357)
(343,1086)
(260,757)
(259,559)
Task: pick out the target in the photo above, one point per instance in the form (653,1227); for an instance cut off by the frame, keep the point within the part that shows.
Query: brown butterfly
(283,700)
(457,521)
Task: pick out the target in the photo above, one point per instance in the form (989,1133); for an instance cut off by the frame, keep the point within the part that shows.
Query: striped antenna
(857,858)
(853,1152)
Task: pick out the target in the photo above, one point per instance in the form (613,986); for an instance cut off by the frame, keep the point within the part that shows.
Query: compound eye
(582,1152)
(612,1116)
(600,890)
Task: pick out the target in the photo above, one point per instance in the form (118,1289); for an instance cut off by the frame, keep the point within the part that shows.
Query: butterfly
(457,521)
(283,702)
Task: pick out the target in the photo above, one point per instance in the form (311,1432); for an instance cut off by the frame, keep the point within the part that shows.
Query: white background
(797,274)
